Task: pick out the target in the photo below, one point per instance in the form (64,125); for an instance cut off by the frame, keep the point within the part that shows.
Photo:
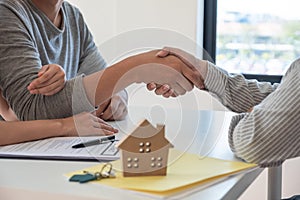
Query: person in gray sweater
(51,79)
(35,33)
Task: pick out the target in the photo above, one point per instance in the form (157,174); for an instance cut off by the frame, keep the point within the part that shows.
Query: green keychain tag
(82,178)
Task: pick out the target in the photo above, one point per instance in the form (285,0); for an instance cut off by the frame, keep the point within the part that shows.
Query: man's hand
(163,90)
(198,68)
(115,108)
(51,79)
(168,70)
(196,74)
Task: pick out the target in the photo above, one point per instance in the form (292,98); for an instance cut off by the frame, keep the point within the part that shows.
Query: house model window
(144,152)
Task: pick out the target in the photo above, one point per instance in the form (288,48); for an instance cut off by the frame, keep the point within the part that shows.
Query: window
(258,38)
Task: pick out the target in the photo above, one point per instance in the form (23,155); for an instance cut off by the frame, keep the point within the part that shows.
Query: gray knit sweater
(29,40)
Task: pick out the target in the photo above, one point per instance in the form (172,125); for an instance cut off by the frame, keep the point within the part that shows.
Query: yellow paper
(184,170)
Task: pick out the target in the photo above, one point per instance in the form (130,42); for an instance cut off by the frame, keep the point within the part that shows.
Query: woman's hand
(86,124)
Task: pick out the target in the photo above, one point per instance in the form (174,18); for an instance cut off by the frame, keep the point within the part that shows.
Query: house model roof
(145,133)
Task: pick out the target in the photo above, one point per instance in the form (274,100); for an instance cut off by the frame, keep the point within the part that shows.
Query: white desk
(203,132)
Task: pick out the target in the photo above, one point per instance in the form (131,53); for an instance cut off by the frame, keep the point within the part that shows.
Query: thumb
(163,53)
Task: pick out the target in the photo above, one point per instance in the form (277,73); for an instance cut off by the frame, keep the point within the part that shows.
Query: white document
(61,148)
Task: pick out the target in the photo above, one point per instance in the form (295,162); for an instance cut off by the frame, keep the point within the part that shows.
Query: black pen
(94,142)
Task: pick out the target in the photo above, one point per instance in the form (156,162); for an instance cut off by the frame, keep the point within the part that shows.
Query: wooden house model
(145,151)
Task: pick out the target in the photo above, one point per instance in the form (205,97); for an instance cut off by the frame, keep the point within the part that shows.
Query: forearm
(103,85)
(16,132)
(269,134)
(260,138)
(234,91)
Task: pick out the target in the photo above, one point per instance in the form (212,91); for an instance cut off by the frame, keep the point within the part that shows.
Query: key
(106,172)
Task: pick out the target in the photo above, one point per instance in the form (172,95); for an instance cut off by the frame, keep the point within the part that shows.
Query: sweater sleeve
(91,60)
(270,133)
(234,91)
(20,63)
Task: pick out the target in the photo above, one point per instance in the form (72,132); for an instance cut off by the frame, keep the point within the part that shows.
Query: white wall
(121,26)
(107,18)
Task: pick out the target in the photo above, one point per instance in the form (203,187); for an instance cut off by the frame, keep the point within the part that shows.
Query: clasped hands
(179,73)
(169,72)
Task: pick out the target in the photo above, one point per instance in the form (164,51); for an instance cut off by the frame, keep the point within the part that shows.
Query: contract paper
(61,148)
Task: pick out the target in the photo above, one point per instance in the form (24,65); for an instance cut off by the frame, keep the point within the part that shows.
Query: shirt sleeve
(234,91)
(91,60)
(270,133)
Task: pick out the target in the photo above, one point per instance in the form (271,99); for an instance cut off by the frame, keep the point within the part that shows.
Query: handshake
(172,72)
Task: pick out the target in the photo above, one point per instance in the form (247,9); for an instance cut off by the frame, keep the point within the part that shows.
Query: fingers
(48,90)
(43,76)
(105,127)
(51,79)
(163,90)
(166,91)
(87,124)
(105,110)
(107,115)
(115,111)
(96,126)
(176,90)
(43,70)
(172,75)
(192,71)
(151,86)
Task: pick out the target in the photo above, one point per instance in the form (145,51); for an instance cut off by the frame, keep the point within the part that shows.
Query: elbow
(262,153)
(246,151)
